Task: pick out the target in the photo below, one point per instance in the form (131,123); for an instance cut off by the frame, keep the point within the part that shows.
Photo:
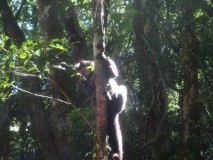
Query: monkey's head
(85,68)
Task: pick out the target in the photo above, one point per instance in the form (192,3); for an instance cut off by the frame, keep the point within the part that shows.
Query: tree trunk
(11,28)
(5,119)
(40,122)
(60,88)
(147,53)
(73,29)
(60,85)
(100,78)
(49,22)
(190,106)
(13,31)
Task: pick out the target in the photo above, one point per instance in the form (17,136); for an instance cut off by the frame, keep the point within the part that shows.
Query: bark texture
(100,78)
(11,28)
(73,29)
(49,22)
(60,85)
(41,123)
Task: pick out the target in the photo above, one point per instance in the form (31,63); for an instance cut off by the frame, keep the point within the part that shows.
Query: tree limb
(56,99)
(20,8)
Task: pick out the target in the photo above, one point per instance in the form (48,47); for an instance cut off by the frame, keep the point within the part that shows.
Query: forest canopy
(162,49)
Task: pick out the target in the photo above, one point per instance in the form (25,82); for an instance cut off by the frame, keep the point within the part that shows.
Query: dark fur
(116,101)
(85,68)
(111,69)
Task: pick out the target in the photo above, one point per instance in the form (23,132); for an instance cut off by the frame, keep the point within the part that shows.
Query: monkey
(116,102)
(116,97)
(109,65)
(85,68)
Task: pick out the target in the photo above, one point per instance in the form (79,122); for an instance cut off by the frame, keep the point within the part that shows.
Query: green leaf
(29,42)
(37,52)
(26,61)
(198,13)
(31,69)
(13,47)
(23,56)
(56,40)
(3,67)
(5,38)
(58,47)
(46,70)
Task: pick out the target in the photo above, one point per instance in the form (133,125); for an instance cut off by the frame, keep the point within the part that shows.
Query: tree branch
(19,10)
(10,26)
(56,99)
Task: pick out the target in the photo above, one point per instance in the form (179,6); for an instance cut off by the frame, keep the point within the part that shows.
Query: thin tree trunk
(100,79)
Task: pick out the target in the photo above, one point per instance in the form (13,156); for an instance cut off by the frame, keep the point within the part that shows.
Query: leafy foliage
(36,57)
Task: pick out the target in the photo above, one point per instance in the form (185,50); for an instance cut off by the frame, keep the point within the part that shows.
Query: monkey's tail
(115,139)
